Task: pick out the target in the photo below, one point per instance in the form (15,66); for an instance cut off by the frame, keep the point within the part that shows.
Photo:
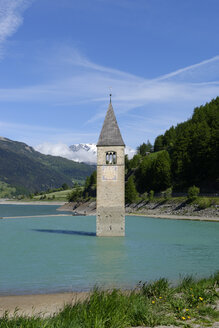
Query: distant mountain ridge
(24,167)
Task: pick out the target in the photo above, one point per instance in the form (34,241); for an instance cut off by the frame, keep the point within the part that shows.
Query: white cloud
(86,82)
(206,69)
(77,59)
(130,152)
(11,18)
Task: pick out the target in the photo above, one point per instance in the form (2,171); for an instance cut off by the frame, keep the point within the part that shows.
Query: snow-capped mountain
(83,152)
(83,146)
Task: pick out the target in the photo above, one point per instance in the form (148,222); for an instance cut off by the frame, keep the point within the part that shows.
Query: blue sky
(58,60)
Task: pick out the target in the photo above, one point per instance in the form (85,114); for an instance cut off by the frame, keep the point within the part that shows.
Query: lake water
(27,210)
(57,254)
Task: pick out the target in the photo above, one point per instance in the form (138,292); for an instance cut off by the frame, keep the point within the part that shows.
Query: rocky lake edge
(156,208)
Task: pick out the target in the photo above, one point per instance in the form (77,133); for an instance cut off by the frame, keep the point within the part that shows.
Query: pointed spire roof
(110,134)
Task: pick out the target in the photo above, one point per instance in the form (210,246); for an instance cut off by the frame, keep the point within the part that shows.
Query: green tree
(161,172)
(151,195)
(127,163)
(193,193)
(130,191)
(144,148)
(75,195)
(167,193)
(135,161)
(159,143)
(65,186)
(144,174)
(90,185)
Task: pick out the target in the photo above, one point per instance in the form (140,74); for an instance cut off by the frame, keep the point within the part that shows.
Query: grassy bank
(191,302)
(61,195)
(54,196)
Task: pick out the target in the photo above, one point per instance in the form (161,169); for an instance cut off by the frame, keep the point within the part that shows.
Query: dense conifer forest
(185,155)
(193,147)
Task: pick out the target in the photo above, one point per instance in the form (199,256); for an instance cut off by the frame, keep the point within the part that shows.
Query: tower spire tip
(110,94)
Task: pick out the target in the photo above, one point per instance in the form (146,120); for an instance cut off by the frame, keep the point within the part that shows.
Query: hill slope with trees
(185,155)
(193,147)
(29,171)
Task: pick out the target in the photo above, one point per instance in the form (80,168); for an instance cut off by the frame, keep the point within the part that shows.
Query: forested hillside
(29,171)
(193,147)
(185,155)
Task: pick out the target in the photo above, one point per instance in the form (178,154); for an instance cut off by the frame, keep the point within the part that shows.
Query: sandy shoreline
(42,304)
(176,217)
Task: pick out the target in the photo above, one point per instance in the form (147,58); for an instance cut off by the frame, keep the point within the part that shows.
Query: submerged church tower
(110,220)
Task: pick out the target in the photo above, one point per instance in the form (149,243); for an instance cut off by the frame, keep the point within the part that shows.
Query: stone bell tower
(110,220)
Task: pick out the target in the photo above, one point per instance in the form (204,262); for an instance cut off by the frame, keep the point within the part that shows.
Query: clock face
(109,173)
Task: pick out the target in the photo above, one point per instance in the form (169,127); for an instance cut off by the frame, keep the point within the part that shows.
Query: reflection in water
(110,256)
(66,232)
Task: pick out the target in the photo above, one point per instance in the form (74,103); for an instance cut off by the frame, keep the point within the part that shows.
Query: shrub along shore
(192,303)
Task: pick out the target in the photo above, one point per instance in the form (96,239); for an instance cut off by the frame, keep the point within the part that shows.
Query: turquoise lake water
(56,254)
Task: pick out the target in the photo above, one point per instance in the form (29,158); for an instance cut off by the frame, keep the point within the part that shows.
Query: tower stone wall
(110,220)
(110,193)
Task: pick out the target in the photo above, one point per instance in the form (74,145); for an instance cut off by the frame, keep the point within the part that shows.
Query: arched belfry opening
(111,157)
(110,220)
